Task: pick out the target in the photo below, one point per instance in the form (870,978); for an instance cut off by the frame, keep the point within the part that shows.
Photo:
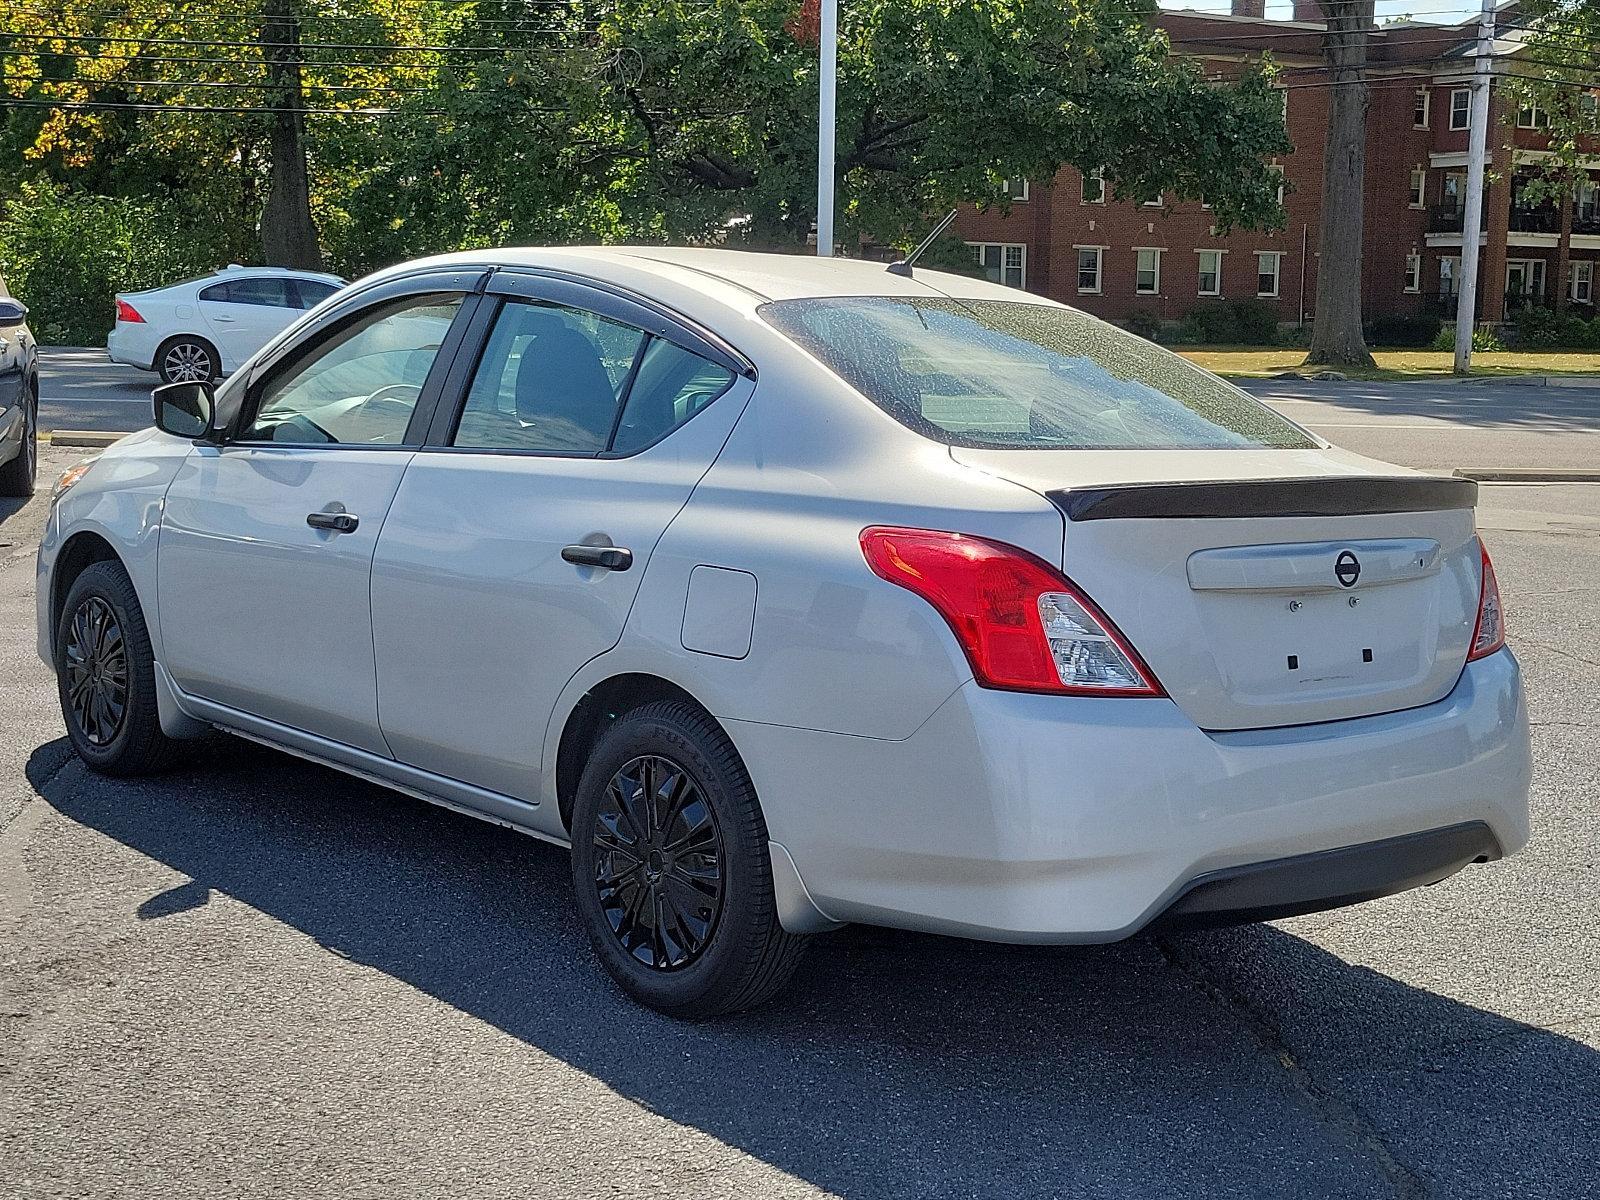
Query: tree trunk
(1564,250)
(288,235)
(1336,338)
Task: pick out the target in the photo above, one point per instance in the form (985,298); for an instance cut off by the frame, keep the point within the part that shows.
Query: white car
(202,329)
(794,592)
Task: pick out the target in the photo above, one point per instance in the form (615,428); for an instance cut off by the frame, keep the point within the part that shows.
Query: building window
(1413,272)
(1587,201)
(1277,170)
(1155,201)
(1269,266)
(1147,272)
(1449,276)
(1094,187)
(1581,282)
(1460,108)
(1210,272)
(1014,189)
(1419,186)
(1525,278)
(1003,262)
(1419,116)
(1089,268)
(1532,117)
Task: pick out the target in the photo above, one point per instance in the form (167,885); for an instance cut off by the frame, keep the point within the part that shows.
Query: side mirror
(184,409)
(13,312)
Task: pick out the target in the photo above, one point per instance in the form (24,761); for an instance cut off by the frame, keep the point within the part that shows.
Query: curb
(1527,475)
(81,437)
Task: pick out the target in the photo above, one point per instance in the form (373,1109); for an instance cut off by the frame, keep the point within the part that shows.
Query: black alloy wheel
(97,671)
(658,863)
(106,676)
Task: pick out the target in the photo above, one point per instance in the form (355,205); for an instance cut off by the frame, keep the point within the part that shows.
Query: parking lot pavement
(257,977)
(83,389)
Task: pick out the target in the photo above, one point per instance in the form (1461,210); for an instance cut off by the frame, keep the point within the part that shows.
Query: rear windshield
(999,374)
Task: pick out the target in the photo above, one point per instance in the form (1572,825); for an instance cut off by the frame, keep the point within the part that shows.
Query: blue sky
(1422,10)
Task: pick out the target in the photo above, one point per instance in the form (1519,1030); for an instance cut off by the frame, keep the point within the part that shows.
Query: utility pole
(826,121)
(1472,218)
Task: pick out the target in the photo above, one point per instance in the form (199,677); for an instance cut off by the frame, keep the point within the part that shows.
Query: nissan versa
(793,592)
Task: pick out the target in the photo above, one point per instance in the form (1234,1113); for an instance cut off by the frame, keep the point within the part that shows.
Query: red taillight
(1024,626)
(1489,634)
(127,313)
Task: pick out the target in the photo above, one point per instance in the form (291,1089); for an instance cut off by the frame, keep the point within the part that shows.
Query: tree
(1336,335)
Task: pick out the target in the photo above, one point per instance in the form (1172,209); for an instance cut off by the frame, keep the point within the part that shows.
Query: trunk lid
(1269,587)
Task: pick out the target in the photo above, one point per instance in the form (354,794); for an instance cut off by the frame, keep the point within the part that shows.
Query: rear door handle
(339,522)
(607,558)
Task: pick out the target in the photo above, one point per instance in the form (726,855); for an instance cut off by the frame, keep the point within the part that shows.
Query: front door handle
(607,558)
(339,522)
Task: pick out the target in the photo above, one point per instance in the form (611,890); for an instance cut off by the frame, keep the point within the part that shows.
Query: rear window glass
(997,374)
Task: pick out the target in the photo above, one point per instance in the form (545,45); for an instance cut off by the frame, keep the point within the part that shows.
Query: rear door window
(269,293)
(1011,375)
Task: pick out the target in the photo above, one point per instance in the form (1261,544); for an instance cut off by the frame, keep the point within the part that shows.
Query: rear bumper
(1327,879)
(1046,819)
(131,346)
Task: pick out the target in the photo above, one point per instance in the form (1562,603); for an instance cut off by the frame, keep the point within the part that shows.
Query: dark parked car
(19,398)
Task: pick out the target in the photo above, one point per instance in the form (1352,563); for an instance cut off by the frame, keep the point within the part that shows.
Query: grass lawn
(1252,362)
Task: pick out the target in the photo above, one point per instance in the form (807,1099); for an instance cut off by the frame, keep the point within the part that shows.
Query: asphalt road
(1439,426)
(257,977)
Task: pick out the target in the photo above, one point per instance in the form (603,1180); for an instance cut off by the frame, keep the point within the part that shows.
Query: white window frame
(1099,176)
(1154,290)
(1413,275)
(1418,191)
(1008,186)
(1004,247)
(1537,117)
(1159,201)
(1465,112)
(1425,95)
(1277,168)
(1275,257)
(1099,253)
(1200,257)
(1533,272)
(1580,281)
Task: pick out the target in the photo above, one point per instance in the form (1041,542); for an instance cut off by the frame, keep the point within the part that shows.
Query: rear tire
(19,476)
(188,359)
(106,679)
(676,895)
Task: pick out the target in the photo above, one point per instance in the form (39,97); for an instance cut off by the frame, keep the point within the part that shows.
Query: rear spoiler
(1344,496)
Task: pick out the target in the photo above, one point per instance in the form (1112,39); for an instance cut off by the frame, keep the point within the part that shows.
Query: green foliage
(1397,330)
(1484,341)
(1144,323)
(1544,329)
(65,254)
(1231,323)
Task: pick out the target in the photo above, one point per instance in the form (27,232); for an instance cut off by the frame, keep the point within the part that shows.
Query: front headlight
(71,476)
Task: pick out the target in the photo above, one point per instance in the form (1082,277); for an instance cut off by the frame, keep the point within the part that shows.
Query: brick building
(1067,239)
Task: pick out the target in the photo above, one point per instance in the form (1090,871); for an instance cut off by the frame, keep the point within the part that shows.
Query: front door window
(362,385)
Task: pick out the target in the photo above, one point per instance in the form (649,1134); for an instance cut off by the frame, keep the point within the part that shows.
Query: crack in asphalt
(1338,1115)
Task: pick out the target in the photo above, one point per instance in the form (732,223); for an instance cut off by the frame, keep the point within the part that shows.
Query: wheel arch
(601,704)
(77,554)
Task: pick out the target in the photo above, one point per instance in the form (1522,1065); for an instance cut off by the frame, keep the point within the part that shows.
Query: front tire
(671,867)
(188,360)
(105,676)
(19,476)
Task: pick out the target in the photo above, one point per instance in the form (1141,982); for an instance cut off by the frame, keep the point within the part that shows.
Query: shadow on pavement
(1479,405)
(901,1064)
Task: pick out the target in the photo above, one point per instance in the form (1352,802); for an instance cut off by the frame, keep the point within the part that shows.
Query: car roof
(236,270)
(759,276)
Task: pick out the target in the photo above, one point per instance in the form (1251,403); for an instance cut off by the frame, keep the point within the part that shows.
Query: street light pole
(1472,218)
(826,120)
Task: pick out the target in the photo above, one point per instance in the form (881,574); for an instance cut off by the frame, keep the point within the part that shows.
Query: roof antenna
(903,266)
